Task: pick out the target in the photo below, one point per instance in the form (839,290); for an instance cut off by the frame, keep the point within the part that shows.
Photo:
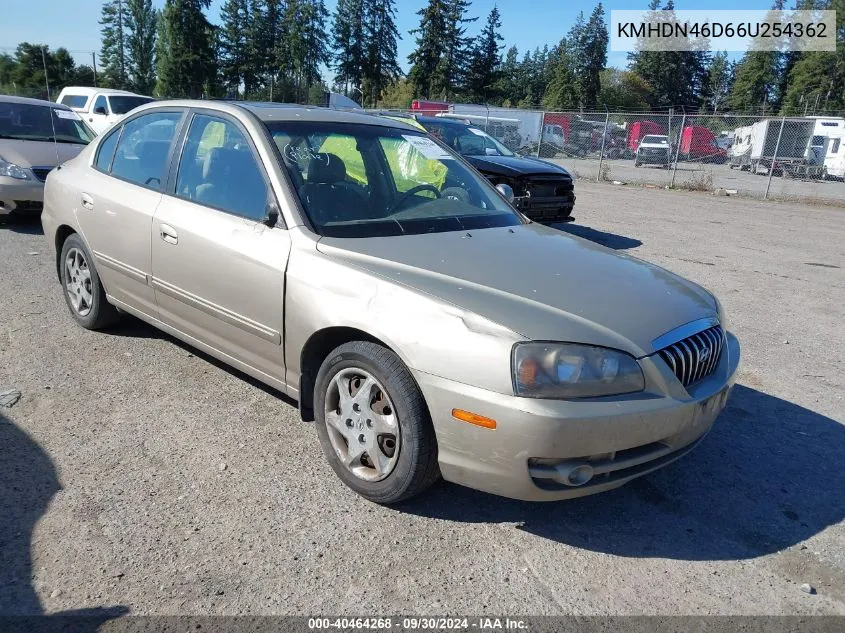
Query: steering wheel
(412,191)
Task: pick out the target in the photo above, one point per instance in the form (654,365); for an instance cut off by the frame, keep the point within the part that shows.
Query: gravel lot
(692,175)
(137,473)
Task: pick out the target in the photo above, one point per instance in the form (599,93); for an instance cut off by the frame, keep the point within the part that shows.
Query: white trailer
(834,159)
(762,147)
(515,128)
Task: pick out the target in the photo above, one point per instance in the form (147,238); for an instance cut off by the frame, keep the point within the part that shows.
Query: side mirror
(506,191)
(100,110)
(271,215)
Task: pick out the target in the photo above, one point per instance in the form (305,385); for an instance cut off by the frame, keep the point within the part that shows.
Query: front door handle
(168,234)
(87,201)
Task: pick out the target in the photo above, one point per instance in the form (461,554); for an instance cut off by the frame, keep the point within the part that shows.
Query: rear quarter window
(105,152)
(75,101)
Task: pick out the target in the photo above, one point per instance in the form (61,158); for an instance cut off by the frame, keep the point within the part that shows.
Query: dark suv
(542,191)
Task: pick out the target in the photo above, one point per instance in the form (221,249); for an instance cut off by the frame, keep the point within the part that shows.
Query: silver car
(369,273)
(35,136)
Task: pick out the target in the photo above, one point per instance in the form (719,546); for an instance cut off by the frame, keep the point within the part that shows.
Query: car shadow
(611,240)
(28,481)
(133,327)
(28,224)
(767,477)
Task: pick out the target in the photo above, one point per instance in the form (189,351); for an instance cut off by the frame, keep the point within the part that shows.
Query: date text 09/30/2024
(417,624)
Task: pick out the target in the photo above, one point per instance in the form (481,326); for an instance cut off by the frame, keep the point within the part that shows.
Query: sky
(525,23)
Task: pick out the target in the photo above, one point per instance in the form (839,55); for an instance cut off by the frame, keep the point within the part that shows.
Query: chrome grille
(41,172)
(696,356)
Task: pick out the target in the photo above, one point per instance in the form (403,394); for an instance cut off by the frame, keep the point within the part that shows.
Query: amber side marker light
(473,418)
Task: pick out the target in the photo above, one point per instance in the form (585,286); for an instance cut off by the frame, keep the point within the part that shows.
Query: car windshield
(468,140)
(28,122)
(657,140)
(122,105)
(369,180)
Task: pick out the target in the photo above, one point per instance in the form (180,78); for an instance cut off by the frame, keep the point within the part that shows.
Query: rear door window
(143,149)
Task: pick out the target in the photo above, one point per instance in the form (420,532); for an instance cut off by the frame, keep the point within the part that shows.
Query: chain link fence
(790,158)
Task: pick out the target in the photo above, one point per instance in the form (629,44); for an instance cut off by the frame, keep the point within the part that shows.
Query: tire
(636,163)
(79,278)
(412,466)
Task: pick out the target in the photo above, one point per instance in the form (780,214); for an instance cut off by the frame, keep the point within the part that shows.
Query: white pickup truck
(100,107)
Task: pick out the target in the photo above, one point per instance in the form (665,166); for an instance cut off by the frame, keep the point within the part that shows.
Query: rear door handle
(168,234)
(87,201)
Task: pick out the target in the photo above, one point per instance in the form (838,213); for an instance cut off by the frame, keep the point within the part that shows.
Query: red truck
(699,144)
(638,129)
(429,107)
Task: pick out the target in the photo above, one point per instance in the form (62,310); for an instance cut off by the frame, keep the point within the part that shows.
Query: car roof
(442,121)
(291,112)
(89,90)
(34,102)
(268,112)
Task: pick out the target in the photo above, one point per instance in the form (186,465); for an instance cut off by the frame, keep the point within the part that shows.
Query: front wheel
(84,293)
(373,423)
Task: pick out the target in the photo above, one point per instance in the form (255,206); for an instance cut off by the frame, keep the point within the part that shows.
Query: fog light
(579,475)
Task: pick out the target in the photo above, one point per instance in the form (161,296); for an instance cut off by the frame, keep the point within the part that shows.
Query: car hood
(653,146)
(37,153)
(540,283)
(515,165)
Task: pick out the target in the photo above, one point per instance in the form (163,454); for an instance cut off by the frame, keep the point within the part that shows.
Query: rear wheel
(373,423)
(84,294)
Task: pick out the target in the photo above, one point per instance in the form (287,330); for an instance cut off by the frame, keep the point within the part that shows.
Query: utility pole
(94,66)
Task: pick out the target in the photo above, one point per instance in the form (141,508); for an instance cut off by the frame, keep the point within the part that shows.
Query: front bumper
(538,444)
(546,209)
(20,196)
(656,159)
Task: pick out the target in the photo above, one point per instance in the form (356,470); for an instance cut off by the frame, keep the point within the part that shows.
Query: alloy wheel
(78,283)
(362,424)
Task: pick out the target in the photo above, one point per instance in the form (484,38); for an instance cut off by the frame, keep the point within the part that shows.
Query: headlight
(568,370)
(12,171)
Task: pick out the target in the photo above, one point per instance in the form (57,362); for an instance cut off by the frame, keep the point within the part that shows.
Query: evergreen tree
(624,90)
(113,20)
(234,16)
(526,80)
(431,41)
(141,24)
(349,44)
(816,82)
(303,47)
(457,50)
(814,85)
(677,78)
(720,77)
(23,74)
(508,85)
(380,36)
(575,42)
(594,50)
(755,84)
(484,69)
(562,90)
(185,54)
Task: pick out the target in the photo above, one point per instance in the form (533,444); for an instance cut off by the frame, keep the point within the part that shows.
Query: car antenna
(55,140)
